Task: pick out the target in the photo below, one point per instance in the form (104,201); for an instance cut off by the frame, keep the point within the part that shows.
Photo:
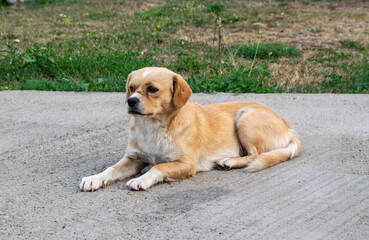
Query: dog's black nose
(132,101)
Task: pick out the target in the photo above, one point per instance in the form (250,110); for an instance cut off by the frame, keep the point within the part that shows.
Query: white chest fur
(155,145)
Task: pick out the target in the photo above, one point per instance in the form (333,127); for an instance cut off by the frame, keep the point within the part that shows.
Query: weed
(317,30)
(102,68)
(348,78)
(42,3)
(216,8)
(173,15)
(352,44)
(238,81)
(337,30)
(267,51)
(229,18)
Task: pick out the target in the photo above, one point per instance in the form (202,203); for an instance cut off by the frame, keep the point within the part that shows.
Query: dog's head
(155,92)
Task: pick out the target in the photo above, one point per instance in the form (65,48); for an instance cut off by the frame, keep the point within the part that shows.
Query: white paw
(226,163)
(91,183)
(145,181)
(137,184)
(97,181)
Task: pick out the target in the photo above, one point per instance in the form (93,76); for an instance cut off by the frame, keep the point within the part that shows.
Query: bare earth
(49,140)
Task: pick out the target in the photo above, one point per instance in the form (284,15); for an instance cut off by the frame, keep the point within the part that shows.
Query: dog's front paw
(91,183)
(150,178)
(137,184)
(97,181)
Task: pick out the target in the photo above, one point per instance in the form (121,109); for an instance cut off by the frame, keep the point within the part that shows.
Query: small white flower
(16,40)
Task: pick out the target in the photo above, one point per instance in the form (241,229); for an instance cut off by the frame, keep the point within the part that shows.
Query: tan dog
(181,138)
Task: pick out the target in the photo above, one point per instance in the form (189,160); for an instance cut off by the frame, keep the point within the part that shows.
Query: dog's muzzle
(134,106)
(133,101)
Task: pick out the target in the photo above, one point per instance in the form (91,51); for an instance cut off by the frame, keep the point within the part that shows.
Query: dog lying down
(181,138)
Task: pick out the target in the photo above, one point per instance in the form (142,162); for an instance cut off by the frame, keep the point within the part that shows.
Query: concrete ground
(50,140)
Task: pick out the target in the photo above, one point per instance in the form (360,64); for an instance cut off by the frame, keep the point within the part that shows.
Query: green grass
(348,78)
(77,45)
(317,30)
(71,66)
(352,44)
(345,76)
(181,13)
(43,3)
(100,68)
(237,81)
(267,51)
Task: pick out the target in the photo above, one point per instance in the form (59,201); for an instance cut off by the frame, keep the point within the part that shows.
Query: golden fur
(181,138)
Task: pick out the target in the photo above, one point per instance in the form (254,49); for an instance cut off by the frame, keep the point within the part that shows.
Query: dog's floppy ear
(127,83)
(181,91)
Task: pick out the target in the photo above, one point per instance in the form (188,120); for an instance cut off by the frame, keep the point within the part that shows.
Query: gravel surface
(50,140)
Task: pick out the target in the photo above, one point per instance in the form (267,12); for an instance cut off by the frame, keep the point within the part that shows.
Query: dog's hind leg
(239,162)
(266,137)
(256,162)
(271,158)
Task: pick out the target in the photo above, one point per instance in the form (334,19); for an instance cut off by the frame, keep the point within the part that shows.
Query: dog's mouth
(134,112)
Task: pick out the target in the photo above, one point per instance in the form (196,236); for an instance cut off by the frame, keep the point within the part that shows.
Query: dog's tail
(268,159)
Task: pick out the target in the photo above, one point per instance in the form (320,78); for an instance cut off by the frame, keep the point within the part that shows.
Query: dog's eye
(151,89)
(132,89)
